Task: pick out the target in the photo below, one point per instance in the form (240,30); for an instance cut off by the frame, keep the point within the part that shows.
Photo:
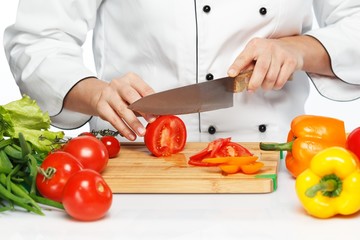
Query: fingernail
(151,118)
(131,137)
(141,131)
(250,91)
(232,72)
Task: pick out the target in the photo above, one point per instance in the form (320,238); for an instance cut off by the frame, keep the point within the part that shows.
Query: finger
(137,89)
(285,74)
(127,116)
(244,60)
(241,63)
(108,114)
(271,75)
(130,95)
(260,70)
(140,85)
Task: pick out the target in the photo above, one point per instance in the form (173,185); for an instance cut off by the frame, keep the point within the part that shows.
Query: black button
(212,130)
(206,8)
(209,76)
(263,11)
(262,128)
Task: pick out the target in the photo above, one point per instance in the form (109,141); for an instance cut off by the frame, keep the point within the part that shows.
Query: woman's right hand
(110,102)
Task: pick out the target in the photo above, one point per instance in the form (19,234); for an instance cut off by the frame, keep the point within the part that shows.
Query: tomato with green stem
(165,136)
(86,196)
(54,173)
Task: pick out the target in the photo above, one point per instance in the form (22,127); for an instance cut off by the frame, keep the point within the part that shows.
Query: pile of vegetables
(325,165)
(307,136)
(167,135)
(25,140)
(230,157)
(41,167)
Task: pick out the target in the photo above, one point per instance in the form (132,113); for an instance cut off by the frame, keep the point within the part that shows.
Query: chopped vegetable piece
(230,169)
(252,167)
(221,147)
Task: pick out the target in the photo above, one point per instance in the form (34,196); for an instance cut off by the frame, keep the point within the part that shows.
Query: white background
(347,111)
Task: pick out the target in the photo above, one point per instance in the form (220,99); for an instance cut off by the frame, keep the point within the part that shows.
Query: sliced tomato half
(165,136)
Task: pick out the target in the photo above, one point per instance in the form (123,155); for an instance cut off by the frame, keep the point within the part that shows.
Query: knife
(199,97)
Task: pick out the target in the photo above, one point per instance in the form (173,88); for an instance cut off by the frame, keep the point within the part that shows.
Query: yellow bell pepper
(331,184)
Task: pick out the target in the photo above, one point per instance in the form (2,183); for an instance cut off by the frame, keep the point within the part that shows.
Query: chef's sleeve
(339,33)
(44,51)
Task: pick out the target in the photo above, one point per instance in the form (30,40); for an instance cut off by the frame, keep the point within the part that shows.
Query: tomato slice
(165,136)
(221,147)
(232,149)
(211,149)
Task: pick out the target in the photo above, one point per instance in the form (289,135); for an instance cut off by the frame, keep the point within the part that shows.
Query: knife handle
(241,81)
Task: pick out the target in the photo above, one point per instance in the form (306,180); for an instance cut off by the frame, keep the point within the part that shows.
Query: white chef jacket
(171,43)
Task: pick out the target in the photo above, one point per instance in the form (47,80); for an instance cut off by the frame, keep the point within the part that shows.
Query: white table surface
(276,215)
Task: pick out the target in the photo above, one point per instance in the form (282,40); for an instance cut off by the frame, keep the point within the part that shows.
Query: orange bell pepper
(308,135)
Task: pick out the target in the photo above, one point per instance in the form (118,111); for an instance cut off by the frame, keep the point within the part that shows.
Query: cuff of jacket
(344,60)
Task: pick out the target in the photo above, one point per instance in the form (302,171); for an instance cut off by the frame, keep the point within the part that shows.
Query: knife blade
(199,97)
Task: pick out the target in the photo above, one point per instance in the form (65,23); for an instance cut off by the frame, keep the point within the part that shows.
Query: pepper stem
(329,185)
(276,146)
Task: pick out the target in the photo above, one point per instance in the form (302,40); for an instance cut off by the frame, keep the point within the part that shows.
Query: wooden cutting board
(135,170)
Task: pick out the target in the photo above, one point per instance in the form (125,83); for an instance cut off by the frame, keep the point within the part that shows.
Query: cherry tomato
(90,151)
(165,136)
(353,142)
(86,196)
(112,145)
(87,134)
(63,165)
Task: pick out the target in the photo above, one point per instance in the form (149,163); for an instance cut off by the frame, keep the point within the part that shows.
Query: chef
(142,47)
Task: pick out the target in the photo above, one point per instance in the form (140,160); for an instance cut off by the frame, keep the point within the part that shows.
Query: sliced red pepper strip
(200,163)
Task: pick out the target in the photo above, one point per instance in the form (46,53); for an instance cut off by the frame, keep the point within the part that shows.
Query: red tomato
(353,142)
(65,165)
(165,136)
(90,151)
(221,147)
(86,196)
(87,134)
(112,145)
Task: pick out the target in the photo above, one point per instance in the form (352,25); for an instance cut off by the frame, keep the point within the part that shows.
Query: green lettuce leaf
(25,116)
(6,126)
(41,140)
(26,113)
